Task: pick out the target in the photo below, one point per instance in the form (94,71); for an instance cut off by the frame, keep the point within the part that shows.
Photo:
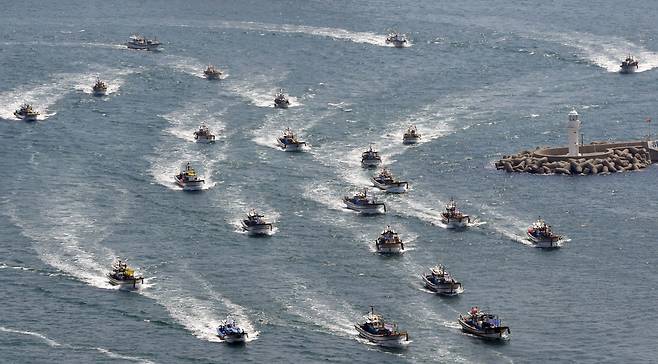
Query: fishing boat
(370,158)
(188,179)
(386,182)
(212,73)
(398,40)
(389,242)
(452,218)
(139,42)
(483,324)
(374,329)
(99,88)
(441,282)
(203,135)
(629,65)
(231,333)
(255,224)
(289,142)
(364,203)
(26,113)
(281,100)
(124,276)
(411,136)
(542,236)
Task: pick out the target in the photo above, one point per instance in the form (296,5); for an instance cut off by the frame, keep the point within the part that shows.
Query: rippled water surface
(92,179)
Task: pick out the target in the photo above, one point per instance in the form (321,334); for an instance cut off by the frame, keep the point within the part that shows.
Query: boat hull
(281,105)
(392,341)
(410,140)
(366,210)
(234,338)
(383,248)
(131,284)
(204,140)
(27,118)
(397,43)
(497,333)
(213,76)
(543,243)
(190,185)
(444,289)
(99,92)
(145,47)
(264,229)
(628,70)
(371,163)
(293,147)
(454,223)
(396,187)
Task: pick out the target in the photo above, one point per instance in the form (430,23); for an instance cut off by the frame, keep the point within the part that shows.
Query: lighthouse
(573,130)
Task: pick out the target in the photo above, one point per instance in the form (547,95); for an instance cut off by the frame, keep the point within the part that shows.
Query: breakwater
(594,158)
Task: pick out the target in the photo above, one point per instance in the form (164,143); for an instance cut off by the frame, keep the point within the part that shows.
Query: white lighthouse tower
(573,130)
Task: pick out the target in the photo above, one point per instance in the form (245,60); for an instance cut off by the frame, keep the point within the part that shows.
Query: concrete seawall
(594,158)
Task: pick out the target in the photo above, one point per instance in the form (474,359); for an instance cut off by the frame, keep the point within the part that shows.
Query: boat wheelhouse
(281,101)
(629,65)
(99,88)
(26,112)
(411,136)
(212,73)
(370,158)
(231,333)
(203,135)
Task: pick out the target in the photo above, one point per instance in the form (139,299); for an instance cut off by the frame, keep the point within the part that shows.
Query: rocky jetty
(630,158)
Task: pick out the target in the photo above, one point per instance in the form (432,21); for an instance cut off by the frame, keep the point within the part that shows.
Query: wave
(47,340)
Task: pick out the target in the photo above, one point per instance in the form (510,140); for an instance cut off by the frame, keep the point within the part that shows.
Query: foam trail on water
(261,89)
(114,79)
(186,121)
(114,355)
(334,33)
(68,240)
(238,206)
(49,341)
(188,65)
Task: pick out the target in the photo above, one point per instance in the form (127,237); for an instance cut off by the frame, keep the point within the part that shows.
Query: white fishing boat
(212,73)
(281,100)
(389,242)
(124,276)
(629,65)
(374,329)
(386,181)
(398,40)
(231,333)
(483,324)
(370,158)
(26,112)
(188,179)
(411,136)
(441,282)
(255,224)
(542,235)
(289,142)
(364,203)
(139,42)
(99,88)
(452,218)
(203,135)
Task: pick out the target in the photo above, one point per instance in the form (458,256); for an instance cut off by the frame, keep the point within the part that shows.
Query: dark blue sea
(92,179)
